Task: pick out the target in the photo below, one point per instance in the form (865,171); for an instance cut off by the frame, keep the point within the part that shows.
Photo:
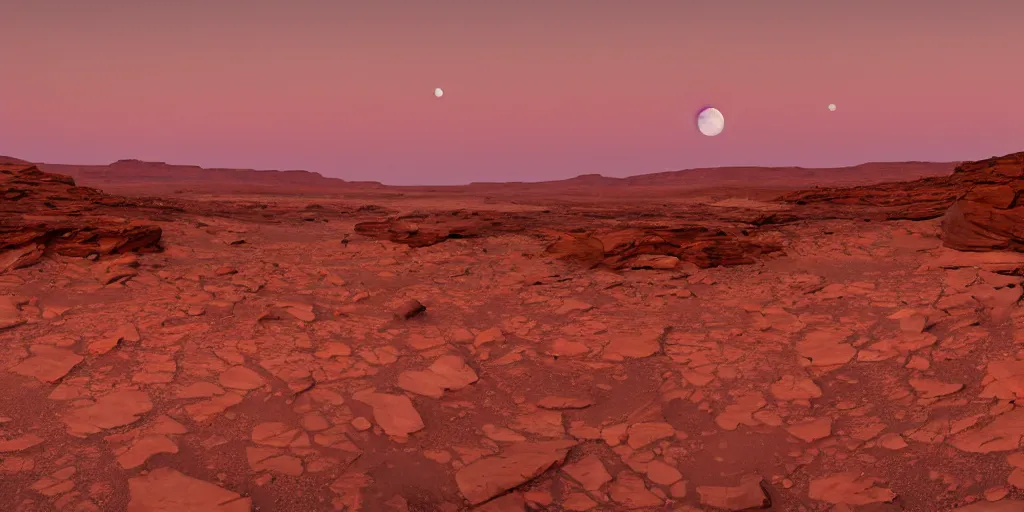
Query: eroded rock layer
(46,213)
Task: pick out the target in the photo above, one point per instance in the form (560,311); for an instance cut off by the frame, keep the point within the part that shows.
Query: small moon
(710,121)
(832,107)
(438,92)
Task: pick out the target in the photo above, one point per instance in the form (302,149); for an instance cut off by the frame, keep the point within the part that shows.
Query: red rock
(270,459)
(811,430)
(931,388)
(578,502)
(200,390)
(505,435)
(564,347)
(13,465)
(661,473)
(542,423)
(394,413)
(748,495)
(275,433)
(19,443)
(742,412)
(145,448)
(167,490)
(48,364)
(512,502)
(989,216)
(589,472)
(630,491)
(633,346)
(1004,433)
(492,335)
(639,248)
(561,402)
(824,349)
(409,309)
(240,377)
(112,410)
(999,506)
(792,388)
(44,212)
(850,488)
(361,424)
(643,434)
(516,465)
(447,373)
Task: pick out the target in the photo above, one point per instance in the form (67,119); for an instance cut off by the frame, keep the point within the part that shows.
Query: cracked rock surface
(231,354)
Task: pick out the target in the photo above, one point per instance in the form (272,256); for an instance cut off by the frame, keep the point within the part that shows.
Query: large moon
(710,121)
(438,92)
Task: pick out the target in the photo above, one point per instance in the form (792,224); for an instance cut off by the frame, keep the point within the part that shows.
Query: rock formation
(989,216)
(980,204)
(660,248)
(44,213)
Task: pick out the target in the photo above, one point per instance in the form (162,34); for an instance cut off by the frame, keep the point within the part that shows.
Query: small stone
(892,441)
(578,502)
(241,378)
(589,472)
(560,402)
(630,491)
(931,388)
(996,493)
(315,422)
(643,434)
(409,309)
(811,430)
(394,413)
(793,388)
(662,474)
(20,443)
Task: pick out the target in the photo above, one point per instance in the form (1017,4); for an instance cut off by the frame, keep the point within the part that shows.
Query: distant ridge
(132,176)
(760,177)
(12,160)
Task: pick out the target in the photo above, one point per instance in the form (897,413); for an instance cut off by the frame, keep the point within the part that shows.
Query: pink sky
(534,89)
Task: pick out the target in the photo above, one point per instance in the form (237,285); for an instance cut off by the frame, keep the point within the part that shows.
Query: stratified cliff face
(990,215)
(42,212)
(980,204)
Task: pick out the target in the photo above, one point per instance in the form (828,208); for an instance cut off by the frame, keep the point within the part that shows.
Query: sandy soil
(275,364)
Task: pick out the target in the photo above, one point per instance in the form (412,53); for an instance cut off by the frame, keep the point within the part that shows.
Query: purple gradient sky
(535,89)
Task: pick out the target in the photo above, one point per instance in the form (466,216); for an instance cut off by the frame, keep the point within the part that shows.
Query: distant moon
(438,92)
(832,107)
(710,121)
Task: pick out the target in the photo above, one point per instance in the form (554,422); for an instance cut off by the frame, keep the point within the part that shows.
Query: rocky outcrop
(44,213)
(980,204)
(654,247)
(660,248)
(408,231)
(989,216)
(922,199)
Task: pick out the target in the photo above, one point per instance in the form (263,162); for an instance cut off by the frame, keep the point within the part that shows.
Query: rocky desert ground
(371,349)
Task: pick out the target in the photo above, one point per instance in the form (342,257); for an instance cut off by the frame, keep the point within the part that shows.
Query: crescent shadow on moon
(696,115)
(710,121)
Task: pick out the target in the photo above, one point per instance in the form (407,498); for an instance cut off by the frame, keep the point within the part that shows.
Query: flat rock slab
(518,464)
(167,490)
(48,364)
(109,411)
(394,413)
